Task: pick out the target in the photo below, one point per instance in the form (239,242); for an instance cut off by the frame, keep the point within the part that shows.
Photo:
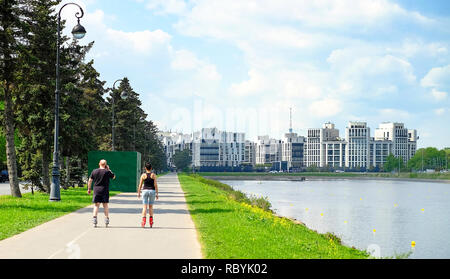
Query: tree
(393,163)
(35,104)
(13,29)
(182,159)
(428,158)
(132,131)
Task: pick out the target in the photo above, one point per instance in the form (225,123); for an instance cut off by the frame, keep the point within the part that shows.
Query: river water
(381,216)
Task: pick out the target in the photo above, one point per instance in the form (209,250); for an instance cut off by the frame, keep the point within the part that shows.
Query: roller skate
(106,221)
(94,221)
(151,222)
(144,220)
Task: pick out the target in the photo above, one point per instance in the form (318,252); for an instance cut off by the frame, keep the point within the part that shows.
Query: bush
(261,202)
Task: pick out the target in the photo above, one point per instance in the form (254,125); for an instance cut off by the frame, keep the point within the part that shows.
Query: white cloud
(185,60)
(439,111)
(390,114)
(254,85)
(439,95)
(219,18)
(167,6)
(437,77)
(326,107)
(141,41)
(362,62)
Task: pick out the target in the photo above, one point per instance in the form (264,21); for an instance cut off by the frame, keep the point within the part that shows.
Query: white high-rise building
(268,150)
(316,144)
(214,148)
(174,142)
(357,135)
(292,150)
(404,141)
(250,153)
(324,148)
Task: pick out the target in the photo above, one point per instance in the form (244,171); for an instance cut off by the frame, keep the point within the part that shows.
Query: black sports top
(149,182)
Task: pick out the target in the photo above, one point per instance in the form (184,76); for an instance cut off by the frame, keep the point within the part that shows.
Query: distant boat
(299,179)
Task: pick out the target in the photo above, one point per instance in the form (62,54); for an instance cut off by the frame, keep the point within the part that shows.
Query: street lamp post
(78,32)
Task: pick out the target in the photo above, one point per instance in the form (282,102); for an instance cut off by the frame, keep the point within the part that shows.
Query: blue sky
(240,65)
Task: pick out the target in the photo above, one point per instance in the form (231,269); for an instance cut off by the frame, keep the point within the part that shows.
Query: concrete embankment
(310,178)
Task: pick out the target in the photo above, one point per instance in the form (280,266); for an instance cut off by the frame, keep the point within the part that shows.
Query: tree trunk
(11,157)
(45,172)
(67,171)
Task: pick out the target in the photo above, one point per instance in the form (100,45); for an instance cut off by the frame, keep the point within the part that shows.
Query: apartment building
(292,150)
(317,145)
(404,141)
(174,142)
(214,148)
(249,153)
(357,136)
(322,147)
(268,150)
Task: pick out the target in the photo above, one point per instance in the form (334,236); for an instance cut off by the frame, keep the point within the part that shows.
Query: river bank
(231,227)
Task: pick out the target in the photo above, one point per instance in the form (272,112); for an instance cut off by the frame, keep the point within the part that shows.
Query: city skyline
(374,61)
(216,149)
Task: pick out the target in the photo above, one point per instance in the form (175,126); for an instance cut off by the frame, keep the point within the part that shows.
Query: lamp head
(124,95)
(78,31)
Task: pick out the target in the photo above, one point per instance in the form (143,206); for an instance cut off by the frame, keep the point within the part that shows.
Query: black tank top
(149,182)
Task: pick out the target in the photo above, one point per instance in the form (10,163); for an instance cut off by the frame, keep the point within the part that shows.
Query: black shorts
(101,194)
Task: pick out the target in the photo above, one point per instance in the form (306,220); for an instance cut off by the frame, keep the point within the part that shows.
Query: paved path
(72,236)
(6,190)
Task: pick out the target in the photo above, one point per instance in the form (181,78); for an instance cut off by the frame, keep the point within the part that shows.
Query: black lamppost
(78,32)
(123,95)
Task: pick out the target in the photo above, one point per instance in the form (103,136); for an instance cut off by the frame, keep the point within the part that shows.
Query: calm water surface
(398,211)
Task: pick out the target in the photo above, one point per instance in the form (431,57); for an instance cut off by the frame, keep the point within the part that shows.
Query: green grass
(20,214)
(332,174)
(229,227)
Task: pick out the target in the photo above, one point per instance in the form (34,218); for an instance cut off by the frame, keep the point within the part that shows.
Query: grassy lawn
(20,214)
(346,174)
(236,229)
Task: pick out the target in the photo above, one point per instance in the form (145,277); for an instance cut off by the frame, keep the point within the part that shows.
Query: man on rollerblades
(101,177)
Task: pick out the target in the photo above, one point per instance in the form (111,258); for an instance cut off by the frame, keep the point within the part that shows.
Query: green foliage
(28,55)
(2,151)
(429,158)
(393,163)
(132,131)
(182,159)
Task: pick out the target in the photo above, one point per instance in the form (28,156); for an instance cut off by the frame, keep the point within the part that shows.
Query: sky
(240,65)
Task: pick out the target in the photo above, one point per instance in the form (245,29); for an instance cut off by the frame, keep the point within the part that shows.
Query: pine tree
(13,29)
(35,106)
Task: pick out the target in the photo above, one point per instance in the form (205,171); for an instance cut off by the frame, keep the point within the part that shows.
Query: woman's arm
(156,185)
(140,186)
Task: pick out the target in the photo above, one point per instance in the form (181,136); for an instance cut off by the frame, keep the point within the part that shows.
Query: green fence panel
(126,165)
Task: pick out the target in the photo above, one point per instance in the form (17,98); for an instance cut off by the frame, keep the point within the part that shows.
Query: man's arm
(89,185)
(113,175)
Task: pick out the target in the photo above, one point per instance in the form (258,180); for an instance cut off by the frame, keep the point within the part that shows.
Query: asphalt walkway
(173,235)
